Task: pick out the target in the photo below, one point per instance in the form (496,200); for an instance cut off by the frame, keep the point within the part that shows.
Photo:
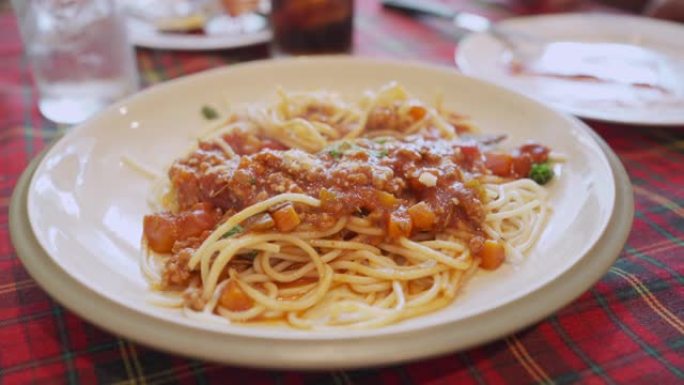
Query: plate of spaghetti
(270,214)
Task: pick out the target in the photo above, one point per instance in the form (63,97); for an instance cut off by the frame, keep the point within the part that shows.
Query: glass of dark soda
(312,26)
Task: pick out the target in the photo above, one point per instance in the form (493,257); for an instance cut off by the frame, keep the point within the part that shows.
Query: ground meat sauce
(348,177)
(401,185)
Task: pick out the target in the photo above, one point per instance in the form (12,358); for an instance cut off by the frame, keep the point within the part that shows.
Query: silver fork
(523,47)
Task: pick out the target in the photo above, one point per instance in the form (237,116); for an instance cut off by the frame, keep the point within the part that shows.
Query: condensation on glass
(79,54)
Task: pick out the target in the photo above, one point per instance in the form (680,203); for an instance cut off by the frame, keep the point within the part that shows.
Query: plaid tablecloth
(628,328)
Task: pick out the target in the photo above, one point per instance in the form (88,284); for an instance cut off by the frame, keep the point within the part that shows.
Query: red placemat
(628,328)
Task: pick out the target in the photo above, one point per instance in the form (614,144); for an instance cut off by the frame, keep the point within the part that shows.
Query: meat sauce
(416,184)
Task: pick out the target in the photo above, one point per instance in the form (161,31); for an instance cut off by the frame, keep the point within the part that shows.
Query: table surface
(628,328)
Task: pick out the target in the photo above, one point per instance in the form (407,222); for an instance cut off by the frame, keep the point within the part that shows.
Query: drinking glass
(79,54)
(312,26)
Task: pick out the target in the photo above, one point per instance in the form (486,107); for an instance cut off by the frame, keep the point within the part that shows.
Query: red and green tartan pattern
(627,329)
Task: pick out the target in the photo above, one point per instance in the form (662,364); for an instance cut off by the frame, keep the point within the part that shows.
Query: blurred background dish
(197,24)
(625,69)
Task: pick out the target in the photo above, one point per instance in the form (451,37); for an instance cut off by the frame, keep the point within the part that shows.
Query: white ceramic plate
(220,33)
(86,207)
(480,55)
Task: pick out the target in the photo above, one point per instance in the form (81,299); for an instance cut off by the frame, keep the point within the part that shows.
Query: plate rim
(44,270)
(330,339)
(462,63)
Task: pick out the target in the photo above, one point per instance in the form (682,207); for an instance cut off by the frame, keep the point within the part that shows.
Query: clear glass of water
(79,53)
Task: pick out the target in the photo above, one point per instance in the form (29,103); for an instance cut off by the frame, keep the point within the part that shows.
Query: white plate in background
(220,32)
(144,34)
(480,55)
(85,208)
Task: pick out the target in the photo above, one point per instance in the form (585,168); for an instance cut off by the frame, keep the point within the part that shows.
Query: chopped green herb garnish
(235,230)
(335,154)
(541,173)
(252,254)
(337,150)
(381,154)
(209,113)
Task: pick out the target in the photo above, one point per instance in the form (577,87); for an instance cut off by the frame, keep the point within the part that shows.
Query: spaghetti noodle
(322,212)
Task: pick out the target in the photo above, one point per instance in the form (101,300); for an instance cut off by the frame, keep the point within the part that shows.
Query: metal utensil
(521,46)
(599,62)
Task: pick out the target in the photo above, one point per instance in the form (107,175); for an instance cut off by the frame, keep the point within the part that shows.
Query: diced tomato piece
(499,163)
(471,152)
(492,254)
(200,218)
(234,298)
(417,112)
(160,231)
(398,225)
(422,216)
(386,199)
(286,218)
(538,152)
(522,163)
(163,230)
(327,197)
